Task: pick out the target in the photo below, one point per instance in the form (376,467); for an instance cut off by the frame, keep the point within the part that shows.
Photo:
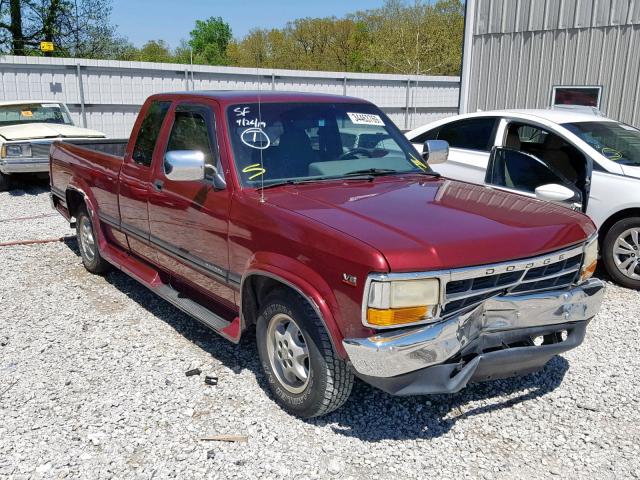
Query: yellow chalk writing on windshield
(256,169)
(421,165)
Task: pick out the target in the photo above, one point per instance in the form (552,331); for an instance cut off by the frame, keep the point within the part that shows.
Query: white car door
(470,142)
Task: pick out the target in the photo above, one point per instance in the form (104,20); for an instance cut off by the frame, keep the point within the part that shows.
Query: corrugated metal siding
(114,91)
(522,48)
(509,16)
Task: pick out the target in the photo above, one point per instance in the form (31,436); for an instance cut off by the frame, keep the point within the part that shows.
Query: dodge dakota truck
(311,219)
(27,130)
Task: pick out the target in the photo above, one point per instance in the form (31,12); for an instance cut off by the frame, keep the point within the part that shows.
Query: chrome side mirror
(554,192)
(435,151)
(184,165)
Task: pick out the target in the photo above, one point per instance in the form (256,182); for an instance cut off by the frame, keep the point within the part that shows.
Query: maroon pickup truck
(313,220)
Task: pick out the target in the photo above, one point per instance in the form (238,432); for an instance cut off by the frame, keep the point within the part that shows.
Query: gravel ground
(93,385)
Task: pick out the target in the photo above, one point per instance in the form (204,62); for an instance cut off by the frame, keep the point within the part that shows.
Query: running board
(192,308)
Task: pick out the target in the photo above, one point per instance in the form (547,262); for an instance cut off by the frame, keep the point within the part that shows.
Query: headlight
(17,150)
(590,259)
(401,302)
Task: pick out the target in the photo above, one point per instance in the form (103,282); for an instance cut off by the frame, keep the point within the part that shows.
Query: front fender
(307,283)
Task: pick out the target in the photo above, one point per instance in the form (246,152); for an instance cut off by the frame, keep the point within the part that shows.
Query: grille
(469,288)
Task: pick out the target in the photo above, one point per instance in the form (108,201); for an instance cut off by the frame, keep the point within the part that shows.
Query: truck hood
(47,130)
(422,223)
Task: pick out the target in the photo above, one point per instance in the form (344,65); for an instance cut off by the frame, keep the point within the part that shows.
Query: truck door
(189,219)
(135,179)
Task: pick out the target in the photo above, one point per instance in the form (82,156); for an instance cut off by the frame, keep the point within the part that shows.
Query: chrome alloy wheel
(626,251)
(288,353)
(87,240)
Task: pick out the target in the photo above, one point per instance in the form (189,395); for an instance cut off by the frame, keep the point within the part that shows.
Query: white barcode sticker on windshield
(365,119)
(50,105)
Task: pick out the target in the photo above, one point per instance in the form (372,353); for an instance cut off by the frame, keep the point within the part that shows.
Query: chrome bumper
(389,354)
(24,165)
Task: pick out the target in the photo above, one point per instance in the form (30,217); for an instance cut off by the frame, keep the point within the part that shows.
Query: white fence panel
(110,93)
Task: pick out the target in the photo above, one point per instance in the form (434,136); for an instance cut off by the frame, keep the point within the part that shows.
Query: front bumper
(475,345)
(24,165)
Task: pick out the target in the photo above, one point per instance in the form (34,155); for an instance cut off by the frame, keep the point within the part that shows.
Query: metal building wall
(111,92)
(520,49)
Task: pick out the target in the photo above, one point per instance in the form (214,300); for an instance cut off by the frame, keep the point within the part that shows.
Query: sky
(172,20)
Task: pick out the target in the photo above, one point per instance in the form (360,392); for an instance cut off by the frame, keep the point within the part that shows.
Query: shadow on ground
(22,185)
(370,414)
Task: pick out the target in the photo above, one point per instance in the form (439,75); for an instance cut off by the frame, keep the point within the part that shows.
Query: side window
(148,133)
(192,131)
(470,134)
(428,135)
(520,171)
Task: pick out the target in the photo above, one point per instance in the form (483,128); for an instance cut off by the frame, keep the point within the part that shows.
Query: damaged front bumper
(494,340)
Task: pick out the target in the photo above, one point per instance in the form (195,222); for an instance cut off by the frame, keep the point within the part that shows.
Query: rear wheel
(621,252)
(5,182)
(303,371)
(88,244)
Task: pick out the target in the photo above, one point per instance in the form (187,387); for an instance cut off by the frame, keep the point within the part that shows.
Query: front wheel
(303,371)
(621,252)
(88,244)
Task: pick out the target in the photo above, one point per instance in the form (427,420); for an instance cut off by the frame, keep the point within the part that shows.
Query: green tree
(209,41)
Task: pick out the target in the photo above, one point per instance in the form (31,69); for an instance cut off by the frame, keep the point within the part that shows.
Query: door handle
(158,184)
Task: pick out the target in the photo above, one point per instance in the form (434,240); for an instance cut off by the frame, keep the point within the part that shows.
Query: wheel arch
(258,282)
(613,219)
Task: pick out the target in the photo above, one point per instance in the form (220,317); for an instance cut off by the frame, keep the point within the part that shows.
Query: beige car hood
(47,130)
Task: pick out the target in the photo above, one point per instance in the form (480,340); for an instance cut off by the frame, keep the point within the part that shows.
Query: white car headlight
(590,259)
(17,150)
(401,302)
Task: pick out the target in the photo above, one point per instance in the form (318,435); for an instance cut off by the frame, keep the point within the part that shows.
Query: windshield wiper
(376,172)
(371,171)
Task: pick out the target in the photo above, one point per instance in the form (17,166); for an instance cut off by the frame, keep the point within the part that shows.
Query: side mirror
(435,151)
(184,165)
(552,192)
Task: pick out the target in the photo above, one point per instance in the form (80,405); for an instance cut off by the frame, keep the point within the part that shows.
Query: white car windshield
(25,113)
(618,142)
(275,143)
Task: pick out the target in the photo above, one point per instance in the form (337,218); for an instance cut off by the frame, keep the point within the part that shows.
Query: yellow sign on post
(46,46)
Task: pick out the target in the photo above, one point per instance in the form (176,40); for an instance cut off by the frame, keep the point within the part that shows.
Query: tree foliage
(419,38)
(78,28)
(422,37)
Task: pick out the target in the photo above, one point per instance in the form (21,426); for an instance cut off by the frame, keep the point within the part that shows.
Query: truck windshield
(18,114)
(618,142)
(289,142)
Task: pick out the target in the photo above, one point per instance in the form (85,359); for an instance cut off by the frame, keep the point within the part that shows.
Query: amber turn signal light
(588,271)
(395,316)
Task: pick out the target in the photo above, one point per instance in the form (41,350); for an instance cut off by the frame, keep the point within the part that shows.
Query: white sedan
(587,162)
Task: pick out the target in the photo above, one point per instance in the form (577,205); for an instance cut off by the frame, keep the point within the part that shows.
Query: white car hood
(631,171)
(47,130)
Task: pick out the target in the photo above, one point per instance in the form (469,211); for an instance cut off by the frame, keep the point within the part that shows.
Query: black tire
(329,378)
(5,182)
(93,263)
(608,255)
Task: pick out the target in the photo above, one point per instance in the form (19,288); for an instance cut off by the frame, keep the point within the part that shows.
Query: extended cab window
(469,134)
(146,141)
(192,130)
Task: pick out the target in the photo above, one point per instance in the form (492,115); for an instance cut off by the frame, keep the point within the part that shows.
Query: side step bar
(192,308)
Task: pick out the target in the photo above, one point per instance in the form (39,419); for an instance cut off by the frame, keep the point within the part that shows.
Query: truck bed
(91,167)
(110,146)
